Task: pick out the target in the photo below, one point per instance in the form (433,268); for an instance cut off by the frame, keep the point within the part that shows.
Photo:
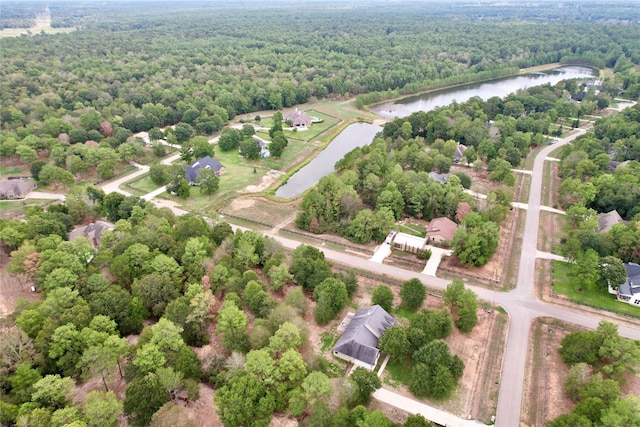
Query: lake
(355,135)
(361,134)
(499,87)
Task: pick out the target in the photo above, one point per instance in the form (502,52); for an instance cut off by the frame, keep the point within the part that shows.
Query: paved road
(430,413)
(114,186)
(520,303)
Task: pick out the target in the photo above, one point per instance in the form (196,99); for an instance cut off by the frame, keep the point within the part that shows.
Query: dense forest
(72,102)
(192,283)
(132,67)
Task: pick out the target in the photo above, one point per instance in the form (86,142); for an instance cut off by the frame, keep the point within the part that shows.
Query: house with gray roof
(608,220)
(15,189)
(629,291)
(298,119)
(191,172)
(440,178)
(93,232)
(459,154)
(359,341)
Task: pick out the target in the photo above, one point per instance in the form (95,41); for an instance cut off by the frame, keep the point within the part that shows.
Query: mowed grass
(315,129)
(17,170)
(400,371)
(294,150)
(238,173)
(141,185)
(592,296)
(413,229)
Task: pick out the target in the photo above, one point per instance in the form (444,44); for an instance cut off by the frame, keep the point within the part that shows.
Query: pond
(361,134)
(355,135)
(499,87)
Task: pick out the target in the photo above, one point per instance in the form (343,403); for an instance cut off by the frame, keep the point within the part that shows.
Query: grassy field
(17,32)
(400,372)
(141,185)
(316,128)
(239,173)
(10,209)
(591,296)
(295,149)
(14,170)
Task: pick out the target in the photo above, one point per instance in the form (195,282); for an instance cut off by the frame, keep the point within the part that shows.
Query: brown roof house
(359,342)
(298,119)
(608,220)
(441,229)
(13,189)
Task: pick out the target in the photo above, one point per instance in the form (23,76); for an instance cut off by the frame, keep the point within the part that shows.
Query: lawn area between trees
(591,296)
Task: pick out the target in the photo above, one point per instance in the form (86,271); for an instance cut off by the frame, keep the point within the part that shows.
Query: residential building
(298,119)
(629,291)
(191,172)
(441,230)
(608,220)
(358,344)
(15,189)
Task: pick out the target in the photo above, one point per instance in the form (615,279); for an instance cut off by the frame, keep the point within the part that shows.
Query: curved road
(521,303)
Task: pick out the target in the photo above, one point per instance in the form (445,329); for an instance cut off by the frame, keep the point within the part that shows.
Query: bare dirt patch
(10,289)
(203,411)
(264,183)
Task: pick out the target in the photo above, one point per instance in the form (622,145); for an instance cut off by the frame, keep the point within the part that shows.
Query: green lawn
(591,296)
(400,372)
(315,129)
(238,173)
(413,229)
(404,313)
(141,186)
(13,171)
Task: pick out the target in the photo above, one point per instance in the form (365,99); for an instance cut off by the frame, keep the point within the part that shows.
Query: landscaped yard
(141,186)
(413,229)
(315,129)
(591,296)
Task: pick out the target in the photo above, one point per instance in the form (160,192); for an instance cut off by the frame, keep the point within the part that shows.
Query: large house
(441,230)
(191,172)
(15,189)
(629,291)
(298,119)
(358,344)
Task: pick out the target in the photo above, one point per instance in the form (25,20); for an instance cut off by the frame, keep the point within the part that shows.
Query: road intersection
(521,303)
